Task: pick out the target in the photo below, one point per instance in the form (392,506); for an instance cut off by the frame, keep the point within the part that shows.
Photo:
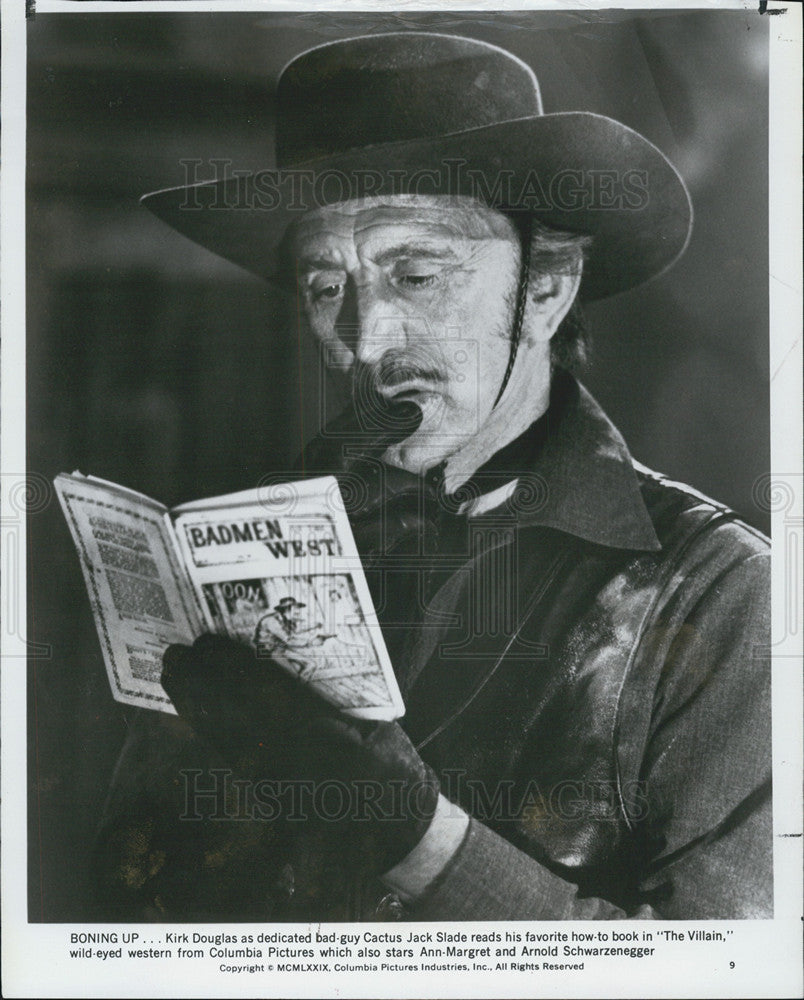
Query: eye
(416,282)
(327,292)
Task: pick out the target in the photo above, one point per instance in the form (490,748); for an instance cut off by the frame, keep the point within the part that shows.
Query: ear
(549,299)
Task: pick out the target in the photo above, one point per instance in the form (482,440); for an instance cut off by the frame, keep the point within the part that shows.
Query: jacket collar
(579,478)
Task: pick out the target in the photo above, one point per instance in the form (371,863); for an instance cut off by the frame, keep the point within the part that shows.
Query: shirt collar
(575,474)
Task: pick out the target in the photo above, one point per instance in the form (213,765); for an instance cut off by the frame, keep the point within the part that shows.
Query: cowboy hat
(427,113)
(288,602)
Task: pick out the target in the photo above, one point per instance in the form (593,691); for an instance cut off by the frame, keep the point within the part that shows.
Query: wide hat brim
(574,171)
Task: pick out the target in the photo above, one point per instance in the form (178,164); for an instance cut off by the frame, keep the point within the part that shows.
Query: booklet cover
(275,568)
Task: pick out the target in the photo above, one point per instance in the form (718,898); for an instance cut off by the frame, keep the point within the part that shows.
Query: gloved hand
(253,711)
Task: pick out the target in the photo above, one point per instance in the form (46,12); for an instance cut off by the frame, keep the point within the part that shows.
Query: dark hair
(569,348)
(555,251)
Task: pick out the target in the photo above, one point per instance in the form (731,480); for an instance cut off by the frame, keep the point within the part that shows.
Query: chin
(424,449)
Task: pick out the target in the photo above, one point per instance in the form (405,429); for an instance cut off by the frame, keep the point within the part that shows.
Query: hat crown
(394,87)
(421,113)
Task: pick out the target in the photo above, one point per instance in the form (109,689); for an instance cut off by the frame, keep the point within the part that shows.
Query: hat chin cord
(521,302)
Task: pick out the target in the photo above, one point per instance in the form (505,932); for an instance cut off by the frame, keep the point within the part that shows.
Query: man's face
(291,615)
(413,297)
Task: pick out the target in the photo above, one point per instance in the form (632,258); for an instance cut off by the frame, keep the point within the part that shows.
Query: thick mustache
(394,370)
(400,375)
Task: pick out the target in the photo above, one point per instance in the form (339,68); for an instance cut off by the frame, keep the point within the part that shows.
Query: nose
(369,324)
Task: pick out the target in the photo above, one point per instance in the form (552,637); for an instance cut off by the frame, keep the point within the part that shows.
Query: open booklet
(275,567)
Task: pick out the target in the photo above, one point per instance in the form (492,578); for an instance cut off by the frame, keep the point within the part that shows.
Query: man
(579,642)
(279,634)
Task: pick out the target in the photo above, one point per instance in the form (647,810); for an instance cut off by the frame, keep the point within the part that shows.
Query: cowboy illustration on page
(282,578)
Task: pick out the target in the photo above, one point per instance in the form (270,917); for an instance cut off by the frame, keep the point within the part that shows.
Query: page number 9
(731,965)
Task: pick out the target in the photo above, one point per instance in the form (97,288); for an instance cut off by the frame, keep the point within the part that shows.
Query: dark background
(153,363)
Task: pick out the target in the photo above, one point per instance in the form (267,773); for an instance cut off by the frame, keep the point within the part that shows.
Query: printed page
(140,598)
(278,568)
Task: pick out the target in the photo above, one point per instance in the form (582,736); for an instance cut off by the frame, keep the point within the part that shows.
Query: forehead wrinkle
(452,216)
(435,223)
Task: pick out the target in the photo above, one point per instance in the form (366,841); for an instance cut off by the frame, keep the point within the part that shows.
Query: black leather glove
(262,719)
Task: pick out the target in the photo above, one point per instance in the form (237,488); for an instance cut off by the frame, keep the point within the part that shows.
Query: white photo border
(35,956)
